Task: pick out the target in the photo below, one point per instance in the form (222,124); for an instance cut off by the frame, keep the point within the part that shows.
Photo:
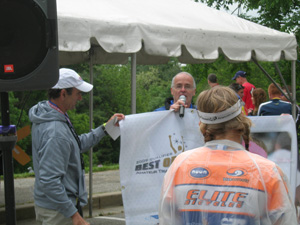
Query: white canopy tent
(152,31)
(109,31)
(159,29)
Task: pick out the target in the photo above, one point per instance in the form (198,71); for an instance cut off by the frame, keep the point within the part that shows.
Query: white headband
(220,117)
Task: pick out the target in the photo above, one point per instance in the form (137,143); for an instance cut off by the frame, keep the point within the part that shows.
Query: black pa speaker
(28,45)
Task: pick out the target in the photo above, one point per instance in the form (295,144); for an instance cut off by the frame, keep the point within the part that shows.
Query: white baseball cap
(69,78)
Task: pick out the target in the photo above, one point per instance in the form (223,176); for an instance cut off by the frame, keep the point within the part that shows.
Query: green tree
(225,71)
(279,15)
(276,14)
(154,83)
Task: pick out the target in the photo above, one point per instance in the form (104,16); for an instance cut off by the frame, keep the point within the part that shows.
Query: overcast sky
(241,10)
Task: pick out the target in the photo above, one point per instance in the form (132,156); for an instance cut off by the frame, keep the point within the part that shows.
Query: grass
(95,169)
(103,168)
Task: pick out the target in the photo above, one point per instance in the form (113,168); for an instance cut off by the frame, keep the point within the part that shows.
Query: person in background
(282,153)
(241,78)
(212,80)
(59,189)
(275,106)
(183,83)
(283,98)
(286,92)
(259,96)
(239,90)
(257,146)
(222,182)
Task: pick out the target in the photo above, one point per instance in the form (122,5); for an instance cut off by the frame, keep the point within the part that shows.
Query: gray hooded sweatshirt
(59,178)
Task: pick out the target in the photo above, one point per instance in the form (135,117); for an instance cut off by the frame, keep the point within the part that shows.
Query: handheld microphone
(181,109)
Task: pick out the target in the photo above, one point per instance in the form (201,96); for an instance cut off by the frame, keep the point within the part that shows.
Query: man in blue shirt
(182,84)
(275,106)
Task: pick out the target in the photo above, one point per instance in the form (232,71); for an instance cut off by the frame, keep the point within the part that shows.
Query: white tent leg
(294,182)
(133,83)
(294,88)
(91,115)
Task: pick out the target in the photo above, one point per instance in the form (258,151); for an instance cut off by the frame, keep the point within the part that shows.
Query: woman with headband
(222,182)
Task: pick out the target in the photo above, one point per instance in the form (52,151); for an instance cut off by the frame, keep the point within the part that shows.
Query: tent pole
(91,127)
(294,103)
(133,83)
(288,96)
(268,75)
(294,88)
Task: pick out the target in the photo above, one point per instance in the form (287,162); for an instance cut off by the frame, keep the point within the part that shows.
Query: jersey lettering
(217,198)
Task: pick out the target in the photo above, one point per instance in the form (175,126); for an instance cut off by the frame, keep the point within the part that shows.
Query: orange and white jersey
(222,184)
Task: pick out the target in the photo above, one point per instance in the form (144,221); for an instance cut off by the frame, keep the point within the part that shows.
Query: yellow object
(18,153)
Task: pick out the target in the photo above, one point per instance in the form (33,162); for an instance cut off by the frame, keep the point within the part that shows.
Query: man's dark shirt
(168,103)
(275,107)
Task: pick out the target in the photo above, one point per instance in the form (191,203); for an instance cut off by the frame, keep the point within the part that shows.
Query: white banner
(151,141)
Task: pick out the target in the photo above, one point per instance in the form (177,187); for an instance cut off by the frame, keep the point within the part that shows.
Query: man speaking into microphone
(183,88)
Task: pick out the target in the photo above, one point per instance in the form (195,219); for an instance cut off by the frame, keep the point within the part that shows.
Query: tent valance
(158,29)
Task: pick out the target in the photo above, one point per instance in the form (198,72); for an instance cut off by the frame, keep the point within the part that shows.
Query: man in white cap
(59,190)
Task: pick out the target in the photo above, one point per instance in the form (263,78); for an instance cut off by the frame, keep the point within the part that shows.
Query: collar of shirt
(54,106)
(224,144)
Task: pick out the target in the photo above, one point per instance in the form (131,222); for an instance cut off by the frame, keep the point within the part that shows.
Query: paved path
(103,182)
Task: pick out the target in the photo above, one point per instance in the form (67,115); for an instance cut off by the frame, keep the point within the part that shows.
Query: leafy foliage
(276,14)
(280,15)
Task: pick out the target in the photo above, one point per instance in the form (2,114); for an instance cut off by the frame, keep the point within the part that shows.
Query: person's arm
(88,140)
(259,111)
(168,214)
(247,99)
(78,220)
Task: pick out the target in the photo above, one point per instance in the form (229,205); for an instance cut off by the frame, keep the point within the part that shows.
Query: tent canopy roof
(159,29)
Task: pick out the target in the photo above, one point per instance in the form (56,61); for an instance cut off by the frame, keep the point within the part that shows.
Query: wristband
(103,128)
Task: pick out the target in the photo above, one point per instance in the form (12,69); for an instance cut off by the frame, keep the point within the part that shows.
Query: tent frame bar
(288,96)
(133,83)
(91,114)
(266,73)
(291,98)
(293,82)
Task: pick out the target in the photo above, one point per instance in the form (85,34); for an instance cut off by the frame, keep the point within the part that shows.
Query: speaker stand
(7,144)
